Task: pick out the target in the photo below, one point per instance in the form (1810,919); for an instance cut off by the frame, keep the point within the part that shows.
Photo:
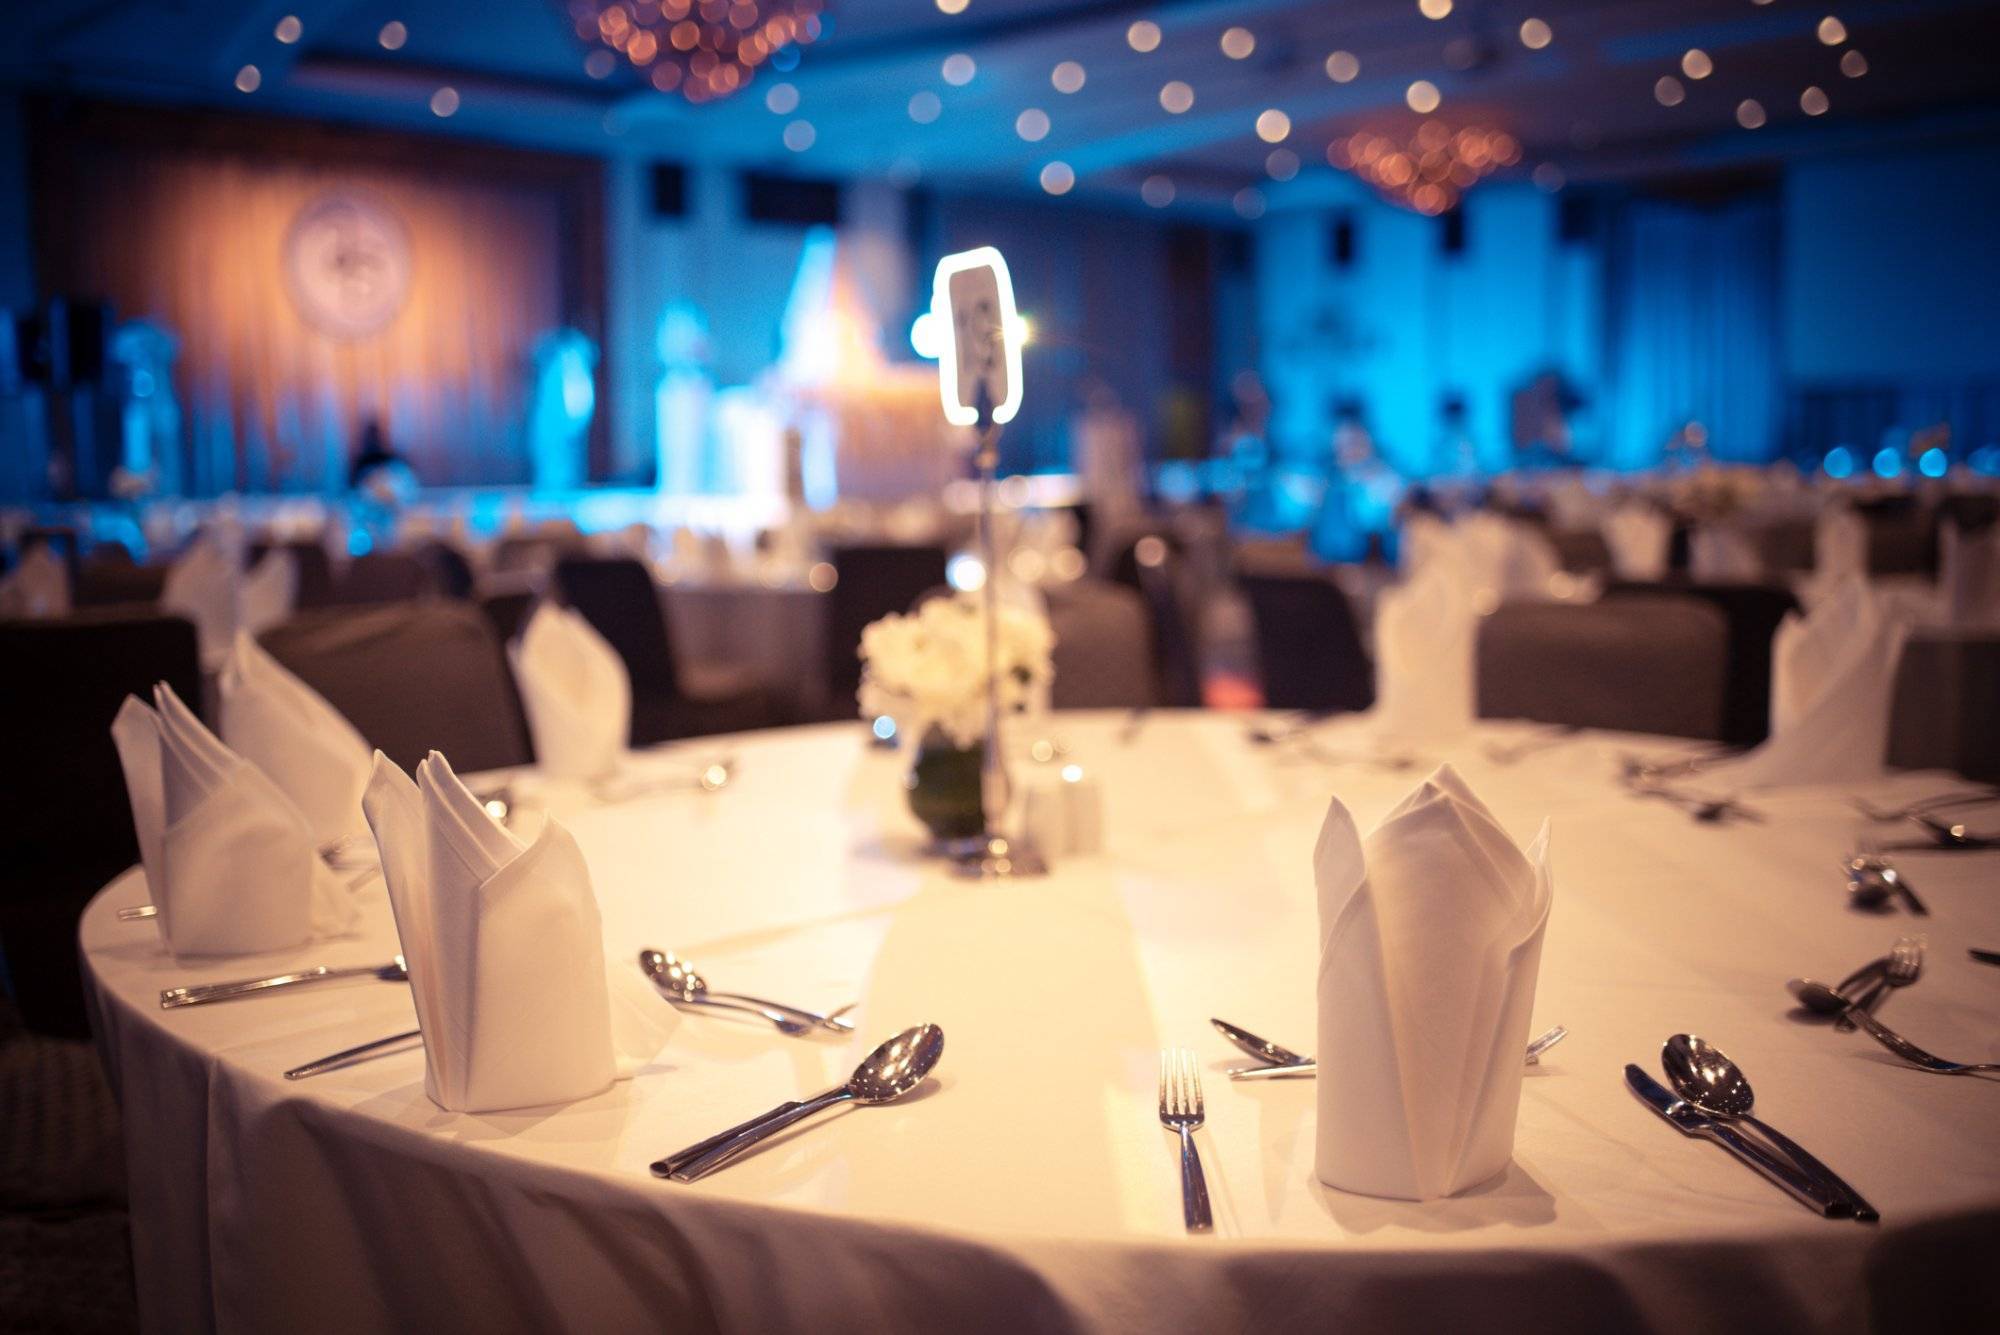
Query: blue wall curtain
(1692,306)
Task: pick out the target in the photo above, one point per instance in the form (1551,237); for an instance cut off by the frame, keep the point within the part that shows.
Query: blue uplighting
(1985,461)
(1839,462)
(1888,463)
(1933,462)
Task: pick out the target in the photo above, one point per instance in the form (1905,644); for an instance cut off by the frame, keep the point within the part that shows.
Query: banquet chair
(65,826)
(1902,535)
(450,572)
(1153,564)
(870,581)
(383,577)
(1308,644)
(1786,546)
(670,699)
(508,610)
(412,677)
(1581,551)
(1655,664)
(1753,613)
(315,571)
(1103,650)
(109,577)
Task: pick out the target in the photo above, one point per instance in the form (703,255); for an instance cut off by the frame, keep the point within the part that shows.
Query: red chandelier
(1430,169)
(702,49)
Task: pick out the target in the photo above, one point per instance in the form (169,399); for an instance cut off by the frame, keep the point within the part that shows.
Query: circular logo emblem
(347,265)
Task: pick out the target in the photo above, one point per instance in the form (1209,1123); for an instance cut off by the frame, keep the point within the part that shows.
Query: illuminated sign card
(972,301)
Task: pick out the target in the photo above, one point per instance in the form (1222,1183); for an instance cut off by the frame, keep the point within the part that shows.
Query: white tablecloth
(1032,1187)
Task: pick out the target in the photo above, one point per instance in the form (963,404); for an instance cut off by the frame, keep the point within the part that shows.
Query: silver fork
(1181,1111)
(1905,961)
(1910,1052)
(1941,802)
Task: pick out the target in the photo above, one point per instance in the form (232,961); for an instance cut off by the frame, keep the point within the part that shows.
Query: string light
(444,102)
(1853,64)
(1342,66)
(1536,34)
(1238,43)
(1067,77)
(1157,191)
(1032,124)
(800,136)
(1281,164)
(1249,203)
(958,69)
(782,99)
(1696,64)
(1750,113)
(1176,97)
(1273,126)
(1142,37)
(1058,177)
(952,6)
(1668,91)
(1434,9)
(289,29)
(1832,32)
(1422,97)
(1813,101)
(925,107)
(392,36)
(249,79)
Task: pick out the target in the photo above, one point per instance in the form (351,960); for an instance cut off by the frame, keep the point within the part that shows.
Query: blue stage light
(1839,462)
(1888,462)
(1933,462)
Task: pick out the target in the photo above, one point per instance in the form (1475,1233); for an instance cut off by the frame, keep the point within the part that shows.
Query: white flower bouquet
(928,669)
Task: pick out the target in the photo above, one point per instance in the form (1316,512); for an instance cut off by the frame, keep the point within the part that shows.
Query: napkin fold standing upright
(1640,539)
(1833,677)
(1430,946)
(576,691)
(231,862)
(1426,635)
(288,730)
(505,950)
(38,587)
(208,588)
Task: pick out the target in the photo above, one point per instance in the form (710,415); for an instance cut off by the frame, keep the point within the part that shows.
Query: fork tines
(1180,1086)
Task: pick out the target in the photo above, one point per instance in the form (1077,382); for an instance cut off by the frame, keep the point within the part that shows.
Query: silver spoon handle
(681,1158)
(783,1023)
(796,1012)
(1813,1167)
(722,1155)
(347,1055)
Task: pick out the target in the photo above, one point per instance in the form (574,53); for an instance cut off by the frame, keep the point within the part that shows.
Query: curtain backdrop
(196,240)
(1693,323)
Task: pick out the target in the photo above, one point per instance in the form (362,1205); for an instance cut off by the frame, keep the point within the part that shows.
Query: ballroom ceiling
(1592,90)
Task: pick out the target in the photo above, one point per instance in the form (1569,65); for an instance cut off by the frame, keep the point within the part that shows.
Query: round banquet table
(1030,1184)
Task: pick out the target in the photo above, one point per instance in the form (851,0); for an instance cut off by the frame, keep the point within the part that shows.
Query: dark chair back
(1902,536)
(508,612)
(65,824)
(869,583)
(1308,644)
(618,597)
(450,572)
(412,677)
(383,577)
(315,571)
(1752,612)
(109,578)
(1653,664)
(1104,655)
(1152,564)
(1581,551)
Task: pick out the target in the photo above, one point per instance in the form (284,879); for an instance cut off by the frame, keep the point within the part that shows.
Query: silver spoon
(885,1075)
(1819,995)
(395,971)
(1705,1077)
(1284,1064)
(679,979)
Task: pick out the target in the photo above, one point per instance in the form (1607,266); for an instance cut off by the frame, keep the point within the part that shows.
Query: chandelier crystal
(701,49)
(1429,169)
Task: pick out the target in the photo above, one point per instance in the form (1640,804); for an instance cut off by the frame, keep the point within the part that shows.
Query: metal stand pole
(998,856)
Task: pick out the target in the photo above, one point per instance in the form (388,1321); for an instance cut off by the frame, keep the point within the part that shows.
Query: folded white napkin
(1506,557)
(1426,634)
(1430,946)
(208,588)
(1840,545)
(1639,537)
(1969,574)
(266,594)
(38,587)
(576,691)
(1723,554)
(288,730)
(1833,676)
(505,951)
(231,863)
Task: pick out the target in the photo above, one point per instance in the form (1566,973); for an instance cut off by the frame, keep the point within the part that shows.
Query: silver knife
(1691,1121)
(1284,1064)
